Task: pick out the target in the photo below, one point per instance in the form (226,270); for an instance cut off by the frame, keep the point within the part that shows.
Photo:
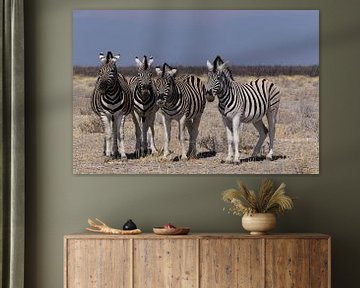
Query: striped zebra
(181,99)
(144,103)
(242,103)
(112,101)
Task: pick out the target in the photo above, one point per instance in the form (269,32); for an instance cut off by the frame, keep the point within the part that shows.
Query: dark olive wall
(58,203)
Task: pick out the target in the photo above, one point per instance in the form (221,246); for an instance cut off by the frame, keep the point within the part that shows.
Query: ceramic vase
(259,223)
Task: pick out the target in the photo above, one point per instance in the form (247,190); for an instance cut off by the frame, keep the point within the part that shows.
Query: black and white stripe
(243,103)
(144,103)
(181,99)
(112,101)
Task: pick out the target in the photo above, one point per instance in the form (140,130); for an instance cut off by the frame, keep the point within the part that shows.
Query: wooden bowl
(171,231)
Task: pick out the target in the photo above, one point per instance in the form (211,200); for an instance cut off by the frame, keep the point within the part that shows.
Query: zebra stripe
(182,99)
(243,103)
(112,101)
(144,103)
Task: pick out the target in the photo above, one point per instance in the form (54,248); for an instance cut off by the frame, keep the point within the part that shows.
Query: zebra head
(218,75)
(164,83)
(107,75)
(144,74)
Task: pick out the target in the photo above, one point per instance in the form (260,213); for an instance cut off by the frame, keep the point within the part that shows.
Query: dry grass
(297,137)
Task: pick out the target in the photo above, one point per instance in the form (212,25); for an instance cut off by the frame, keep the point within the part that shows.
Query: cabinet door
(287,263)
(98,263)
(320,263)
(165,263)
(231,263)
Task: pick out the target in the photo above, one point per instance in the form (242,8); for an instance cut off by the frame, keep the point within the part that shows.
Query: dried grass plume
(267,200)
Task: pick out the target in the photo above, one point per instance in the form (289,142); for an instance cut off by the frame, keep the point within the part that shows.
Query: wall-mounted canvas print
(195,92)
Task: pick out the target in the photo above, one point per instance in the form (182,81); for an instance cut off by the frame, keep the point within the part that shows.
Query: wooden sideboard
(197,260)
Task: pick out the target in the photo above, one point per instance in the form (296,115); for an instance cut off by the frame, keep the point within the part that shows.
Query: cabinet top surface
(87,235)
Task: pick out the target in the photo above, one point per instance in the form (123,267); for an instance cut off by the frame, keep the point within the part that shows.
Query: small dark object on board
(129,225)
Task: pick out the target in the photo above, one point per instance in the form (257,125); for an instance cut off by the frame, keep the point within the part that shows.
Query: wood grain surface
(228,263)
(197,261)
(165,263)
(98,263)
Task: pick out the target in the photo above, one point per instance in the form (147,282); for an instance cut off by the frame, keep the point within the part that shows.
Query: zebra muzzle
(209,96)
(160,103)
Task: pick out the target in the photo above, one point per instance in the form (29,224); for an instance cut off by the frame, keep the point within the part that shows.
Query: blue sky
(190,37)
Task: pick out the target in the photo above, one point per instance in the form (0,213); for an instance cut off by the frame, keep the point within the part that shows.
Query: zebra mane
(217,61)
(109,56)
(229,73)
(166,67)
(145,63)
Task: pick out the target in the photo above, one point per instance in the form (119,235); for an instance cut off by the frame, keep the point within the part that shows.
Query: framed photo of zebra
(196,92)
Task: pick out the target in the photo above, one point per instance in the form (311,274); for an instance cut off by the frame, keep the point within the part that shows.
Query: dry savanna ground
(296,146)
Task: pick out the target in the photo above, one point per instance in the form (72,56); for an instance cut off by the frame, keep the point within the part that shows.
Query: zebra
(144,103)
(243,103)
(181,99)
(112,101)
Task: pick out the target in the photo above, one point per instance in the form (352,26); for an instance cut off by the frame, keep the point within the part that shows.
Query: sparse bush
(309,119)
(86,110)
(91,124)
(237,70)
(209,142)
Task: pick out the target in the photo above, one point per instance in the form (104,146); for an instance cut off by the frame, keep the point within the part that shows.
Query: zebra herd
(181,98)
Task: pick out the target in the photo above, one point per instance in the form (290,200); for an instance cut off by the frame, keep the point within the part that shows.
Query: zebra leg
(182,122)
(167,135)
(144,128)
(108,135)
(120,121)
(115,151)
(229,135)
(138,145)
(261,128)
(271,117)
(151,134)
(190,127)
(194,132)
(235,130)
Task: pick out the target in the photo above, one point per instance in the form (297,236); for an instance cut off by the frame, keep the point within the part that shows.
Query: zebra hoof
(237,162)
(165,157)
(184,158)
(138,154)
(269,157)
(115,155)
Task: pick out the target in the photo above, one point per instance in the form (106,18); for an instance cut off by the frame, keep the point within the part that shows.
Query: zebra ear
(172,72)
(115,58)
(138,62)
(102,57)
(151,60)
(210,66)
(158,71)
(223,65)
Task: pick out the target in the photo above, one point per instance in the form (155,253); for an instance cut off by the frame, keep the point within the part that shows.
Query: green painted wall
(59,203)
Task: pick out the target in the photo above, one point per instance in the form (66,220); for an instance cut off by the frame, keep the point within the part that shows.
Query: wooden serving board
(171,231)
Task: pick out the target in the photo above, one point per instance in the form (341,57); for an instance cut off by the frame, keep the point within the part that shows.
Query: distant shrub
(209,143)
(86,110)
(91,71)
(91,124)
(253,71)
